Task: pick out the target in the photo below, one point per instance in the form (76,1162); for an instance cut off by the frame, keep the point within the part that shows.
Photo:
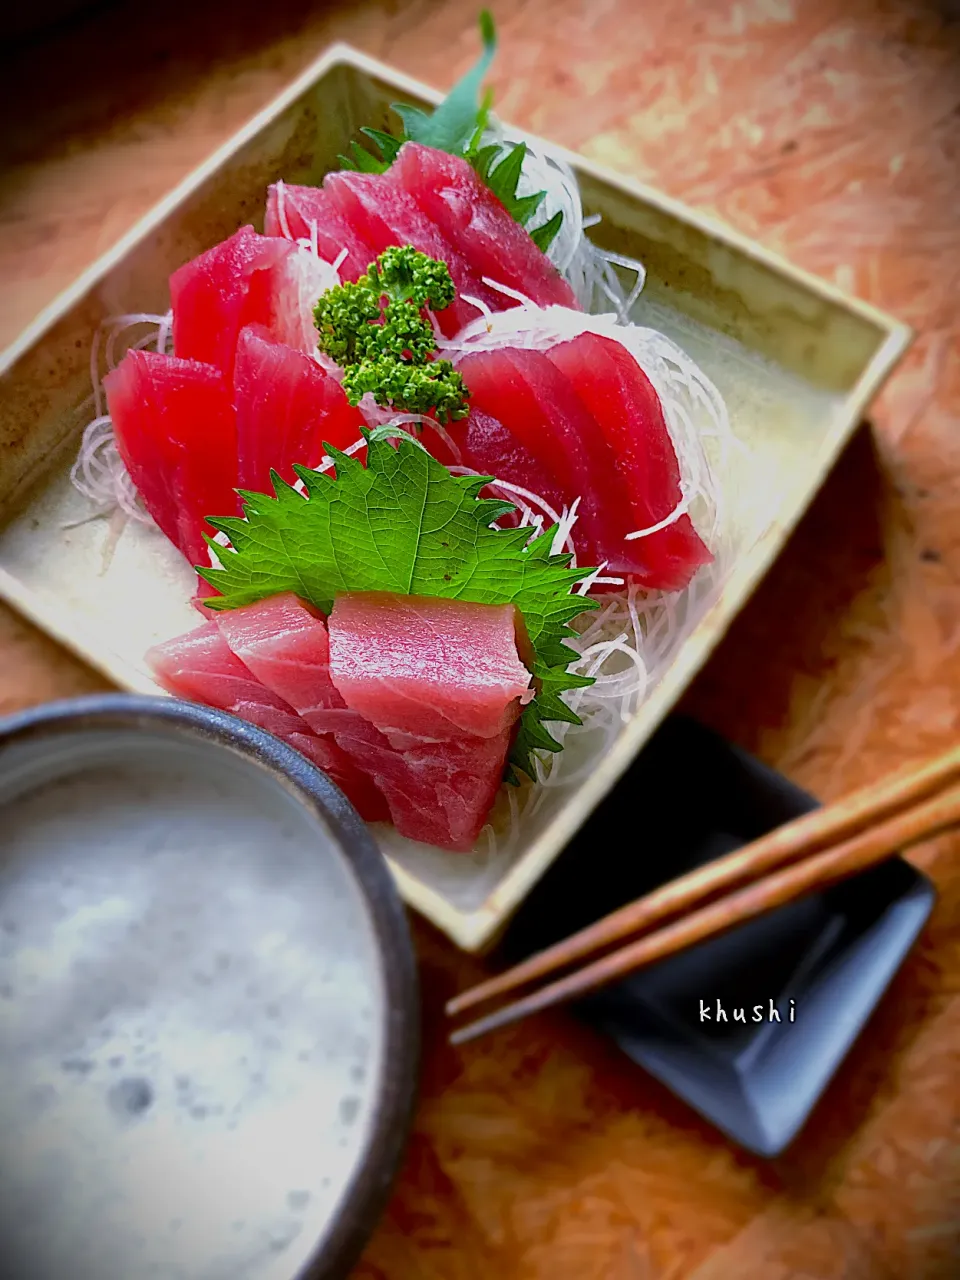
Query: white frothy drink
(190,1014)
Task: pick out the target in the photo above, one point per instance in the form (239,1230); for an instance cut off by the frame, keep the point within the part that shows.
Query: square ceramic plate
(832,954)
(796,361)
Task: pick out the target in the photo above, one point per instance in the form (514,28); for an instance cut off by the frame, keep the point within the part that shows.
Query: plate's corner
(342,51)
(900,338)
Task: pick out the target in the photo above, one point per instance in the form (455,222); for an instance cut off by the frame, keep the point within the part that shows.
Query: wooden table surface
(829,130)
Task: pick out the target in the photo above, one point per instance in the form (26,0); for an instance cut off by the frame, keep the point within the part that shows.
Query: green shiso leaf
(543,236)
(453,125)
(533,734)
(388,144)
(403,523)
(503,180)
(457,126)
(361,160)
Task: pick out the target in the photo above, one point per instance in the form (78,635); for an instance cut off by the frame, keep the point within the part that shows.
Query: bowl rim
(366,1193)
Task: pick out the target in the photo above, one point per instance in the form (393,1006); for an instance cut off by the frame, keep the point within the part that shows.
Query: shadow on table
(792,623)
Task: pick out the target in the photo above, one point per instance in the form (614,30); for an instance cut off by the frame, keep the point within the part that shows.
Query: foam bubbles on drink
(188,1026)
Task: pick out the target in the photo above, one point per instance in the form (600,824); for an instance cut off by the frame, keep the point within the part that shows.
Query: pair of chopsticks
(812,852)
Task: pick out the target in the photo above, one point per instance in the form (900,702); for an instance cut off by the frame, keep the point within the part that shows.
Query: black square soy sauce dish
(832,954)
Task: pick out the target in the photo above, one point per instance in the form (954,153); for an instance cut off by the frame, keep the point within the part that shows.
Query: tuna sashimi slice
(288,408)
(176,433)
(538,406)
(201,667)
(247,279)
(487,447)
(438,685)
(379,208)
(284,642)
(308,213)
(439,792)
(622,400)
(471,217)
(422,665)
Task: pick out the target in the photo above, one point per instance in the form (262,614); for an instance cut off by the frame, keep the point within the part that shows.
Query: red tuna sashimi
(622,400)
(471,217)
(426,665)
(285,644)
(439,792)
(176,433)
(247,279)
(438,685)
(287,409)
(486,446)
(201,667)
(379,208)
(305,208)
(538,406)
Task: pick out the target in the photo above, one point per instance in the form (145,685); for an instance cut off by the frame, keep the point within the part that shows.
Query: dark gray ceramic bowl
(209,1026)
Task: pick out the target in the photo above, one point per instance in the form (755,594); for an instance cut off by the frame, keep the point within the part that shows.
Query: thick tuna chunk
(439,686)
(288,408)
(247,279)
(469,215)
(201,667)
(409,704)
(428,666)
(623,402)
(177,435)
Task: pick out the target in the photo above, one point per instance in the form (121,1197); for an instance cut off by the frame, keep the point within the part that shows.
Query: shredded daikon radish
(98,471)
(508,292)
(100,475)
(309,276)
(474,302)
(544,171)
(378,417)
(679,510)
(590,271)
(312,275)
(281,188)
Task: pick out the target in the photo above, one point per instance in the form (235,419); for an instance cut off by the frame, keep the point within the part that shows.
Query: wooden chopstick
(817,871)
(788,843)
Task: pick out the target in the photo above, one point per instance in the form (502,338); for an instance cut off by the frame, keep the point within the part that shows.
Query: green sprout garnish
(389,350)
